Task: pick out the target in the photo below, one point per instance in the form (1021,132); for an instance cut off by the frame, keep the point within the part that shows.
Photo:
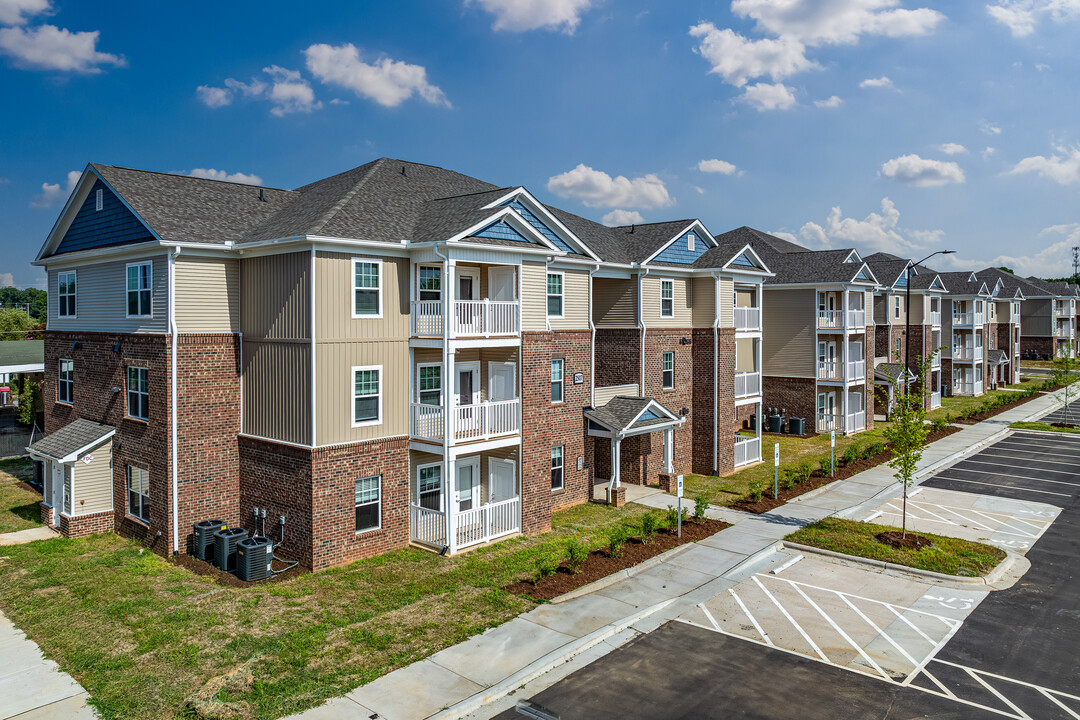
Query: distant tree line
(15,299)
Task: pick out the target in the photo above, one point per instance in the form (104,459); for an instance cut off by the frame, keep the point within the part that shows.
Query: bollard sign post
(832,452)
(776,471)
(678,494)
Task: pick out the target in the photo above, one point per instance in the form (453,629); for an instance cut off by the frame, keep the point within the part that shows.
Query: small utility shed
(78,476)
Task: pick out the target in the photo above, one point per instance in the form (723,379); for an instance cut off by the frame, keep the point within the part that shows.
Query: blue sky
(880,124)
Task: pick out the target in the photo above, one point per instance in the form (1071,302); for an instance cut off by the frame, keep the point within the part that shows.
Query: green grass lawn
(951,556)
(18,505)
(1045,426)
(141,634)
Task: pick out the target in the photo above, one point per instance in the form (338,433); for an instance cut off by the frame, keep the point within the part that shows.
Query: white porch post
(760,408)
(616,457)
(669,450)
(450,483)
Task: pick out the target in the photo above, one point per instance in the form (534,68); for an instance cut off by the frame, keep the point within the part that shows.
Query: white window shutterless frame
(140,300)
(367,288)
(429,491)
(66,305)
(467,493)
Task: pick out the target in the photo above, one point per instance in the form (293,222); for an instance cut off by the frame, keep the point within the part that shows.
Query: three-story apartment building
(1062,302)
(966,326)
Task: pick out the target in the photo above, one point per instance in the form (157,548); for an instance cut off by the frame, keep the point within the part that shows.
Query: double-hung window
(555,295)
(139,293)
(138,487)
(669,370)
(65,293)
(429,384)
(138,393)
(367,288)
(429,487)
(896,306)
(368,503)
(367,395)
(65,382)
(556,381)
(667,298)
(430,283)
(557,467)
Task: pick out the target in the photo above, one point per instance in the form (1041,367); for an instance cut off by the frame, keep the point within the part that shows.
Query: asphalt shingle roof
(620,411)
(793,263)
(959,283)
(80,434)
(997,357)
(1010,283)
(22,352)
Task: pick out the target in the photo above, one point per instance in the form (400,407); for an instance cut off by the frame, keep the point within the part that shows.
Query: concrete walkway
(33,688)
(29,535)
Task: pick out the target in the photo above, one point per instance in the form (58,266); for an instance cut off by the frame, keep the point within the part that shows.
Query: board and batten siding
(614,302)
(94,481)
(277,390)
(727,300)
(334,389)
(534,301)
(682,313)
(207,295)
(101,298)
(335,299)
(1036,318)
(275,297)
(704,301)
(788,333)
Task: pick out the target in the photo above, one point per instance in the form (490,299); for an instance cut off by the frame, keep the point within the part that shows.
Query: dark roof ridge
(330,213)
(478,192)
(657,222)
(187,177)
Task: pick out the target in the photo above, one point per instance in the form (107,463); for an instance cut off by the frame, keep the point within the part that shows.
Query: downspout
(716,375)
(592,327)
(444,471)
(311,330)
(173,401)
(641,325)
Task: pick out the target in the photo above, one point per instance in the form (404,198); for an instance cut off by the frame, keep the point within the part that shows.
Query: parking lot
(1072,417)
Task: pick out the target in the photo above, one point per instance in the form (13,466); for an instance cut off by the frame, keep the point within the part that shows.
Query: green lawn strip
(141,634)
(950,556)
(18,506)
(1045,426)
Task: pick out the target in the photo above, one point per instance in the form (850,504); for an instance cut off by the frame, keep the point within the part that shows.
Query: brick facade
(676,399)
(86,525)
(797,395)
(618,356)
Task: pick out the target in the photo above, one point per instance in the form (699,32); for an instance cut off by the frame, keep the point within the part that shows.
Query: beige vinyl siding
(275,296)
(615,302)
(704,301)
(534,300)
(744,355)
(603,395)
(868,306)
(207,295)
(893,299)
(334,389)
(483,356)
(534,296)
(335,299)
(277,390)
(788,333)
(727,299)
(94,482)
(101,298)
(682,313)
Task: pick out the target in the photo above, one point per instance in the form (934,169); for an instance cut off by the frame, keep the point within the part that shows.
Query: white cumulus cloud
(952,148)
(922,172)
(989,128)
(618,218)
(765,96)
(212,174)
(52,193)
(879,82)
(7,280)
(595,188)
(214,97)
(836,22)
(524,15)
(877,231)
(1052,260)
(386,81)
(1021,16)
(832,102)
(47,47)
(286,90)
(17,12)
(738,59)
(716,166)
(1063,166)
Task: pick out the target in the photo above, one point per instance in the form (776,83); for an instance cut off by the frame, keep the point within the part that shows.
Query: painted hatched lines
(1017,699)
(990,521)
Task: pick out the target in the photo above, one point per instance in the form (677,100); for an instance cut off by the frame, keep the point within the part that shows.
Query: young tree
(15,325)
(907,431)
(1064,366)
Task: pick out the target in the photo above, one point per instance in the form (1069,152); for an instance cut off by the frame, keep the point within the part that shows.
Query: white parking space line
(976,461)
(1004,520)
(1009,487)
(838,629)
(1008,475)
(791,619)
(753,619)
(999,696)
(988,454)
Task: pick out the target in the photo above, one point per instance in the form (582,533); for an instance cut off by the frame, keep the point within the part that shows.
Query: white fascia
(544,214)
(704,232)
(116,252)
(764,269)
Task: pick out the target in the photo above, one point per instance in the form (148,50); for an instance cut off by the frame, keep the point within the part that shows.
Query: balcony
(935,362)
(967,319)
(747,450)
(1062,310)
(967,354)
(827,422)
(469,318)
(856,370)
(830,370)
(480,421)
(856,319)
(935,400)
(468,527)
(747,318)
(967,388)
(935,318)
(1063,332)
(747,384)
(834,320)
(856,421)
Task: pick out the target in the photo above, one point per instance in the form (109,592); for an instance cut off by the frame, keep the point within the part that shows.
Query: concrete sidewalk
(548,642)
(29,535)
(33,688)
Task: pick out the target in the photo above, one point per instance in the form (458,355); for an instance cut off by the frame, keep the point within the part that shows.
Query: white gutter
(592,327)
(173,400)
(311,330)
(716,375)
(641,324)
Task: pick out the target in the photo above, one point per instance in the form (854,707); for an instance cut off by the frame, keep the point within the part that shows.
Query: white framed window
(667,298)
(138,392)
(65,294)
(821,302)
(899,348)
(557,467)
(429,486)
(368,503)
(669,370)
(99,199)
(429,283)
(367,395)
(557,380)
(367,288)
(690,241)
(65,382)
(1016,309)
(138,490)
(139,294)
(555,294)
(896,306)
(429,383)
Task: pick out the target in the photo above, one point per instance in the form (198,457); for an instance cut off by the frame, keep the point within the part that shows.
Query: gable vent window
(99,199)
(690,242)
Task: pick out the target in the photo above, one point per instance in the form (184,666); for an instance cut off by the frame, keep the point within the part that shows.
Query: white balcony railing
(747,318)
(1063,331)
(856,370)
(978,387)
(935,362)
(967,388)
(856,319)
(967,354)
(747,450)
(968,318)
(827,422)
(856,421)
(482,524)
(747,384)
(830,319)
(830,370)
(469,318)
(479,421)
(427,526)
(935,400)
(935,318)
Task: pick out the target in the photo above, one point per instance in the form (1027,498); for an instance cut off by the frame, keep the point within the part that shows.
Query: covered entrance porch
(628,422)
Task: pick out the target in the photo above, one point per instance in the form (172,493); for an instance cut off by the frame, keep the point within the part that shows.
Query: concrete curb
(623,574)
(994,575)
(544,664)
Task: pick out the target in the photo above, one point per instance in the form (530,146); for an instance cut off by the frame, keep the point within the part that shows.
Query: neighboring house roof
(1010,283)
(639,242)
(997,357)
(626,414)
(70,441)
(888,372)
(1062,289)
(22,356)
(791,263)
(960,283)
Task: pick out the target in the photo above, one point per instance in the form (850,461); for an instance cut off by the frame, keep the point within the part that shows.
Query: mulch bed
(201,567)
(768,502)
(600,564)
(897,539)
(1063,425)
(971,420)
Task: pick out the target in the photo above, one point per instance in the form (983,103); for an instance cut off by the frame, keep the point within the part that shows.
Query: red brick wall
(679,397)
(85,525)
(1028,343)
(797,395)
(618,356)
(278,477)
(546,425)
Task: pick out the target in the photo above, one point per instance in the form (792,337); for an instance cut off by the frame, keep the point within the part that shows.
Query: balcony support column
(450,484)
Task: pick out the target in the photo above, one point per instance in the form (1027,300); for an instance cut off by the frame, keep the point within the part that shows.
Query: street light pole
(907,309)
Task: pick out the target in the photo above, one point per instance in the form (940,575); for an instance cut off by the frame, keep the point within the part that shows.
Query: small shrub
(755,489)
(851,454)
(650,525)
(826,466)
(949,418)
(546,565)
(804,470)
(576,555)
(701,504)
(874,448)
(938,425)
(788,477)
(673,516)
(617,537)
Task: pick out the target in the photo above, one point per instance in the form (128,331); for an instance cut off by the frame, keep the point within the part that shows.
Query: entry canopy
(71,441)
(997,357)
(626,415)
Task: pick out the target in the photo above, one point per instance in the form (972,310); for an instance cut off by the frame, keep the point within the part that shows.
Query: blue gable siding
(677,251)
(648,415)
(743,261)
(544,230)
(902,282)
(502,231)
(113,224)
